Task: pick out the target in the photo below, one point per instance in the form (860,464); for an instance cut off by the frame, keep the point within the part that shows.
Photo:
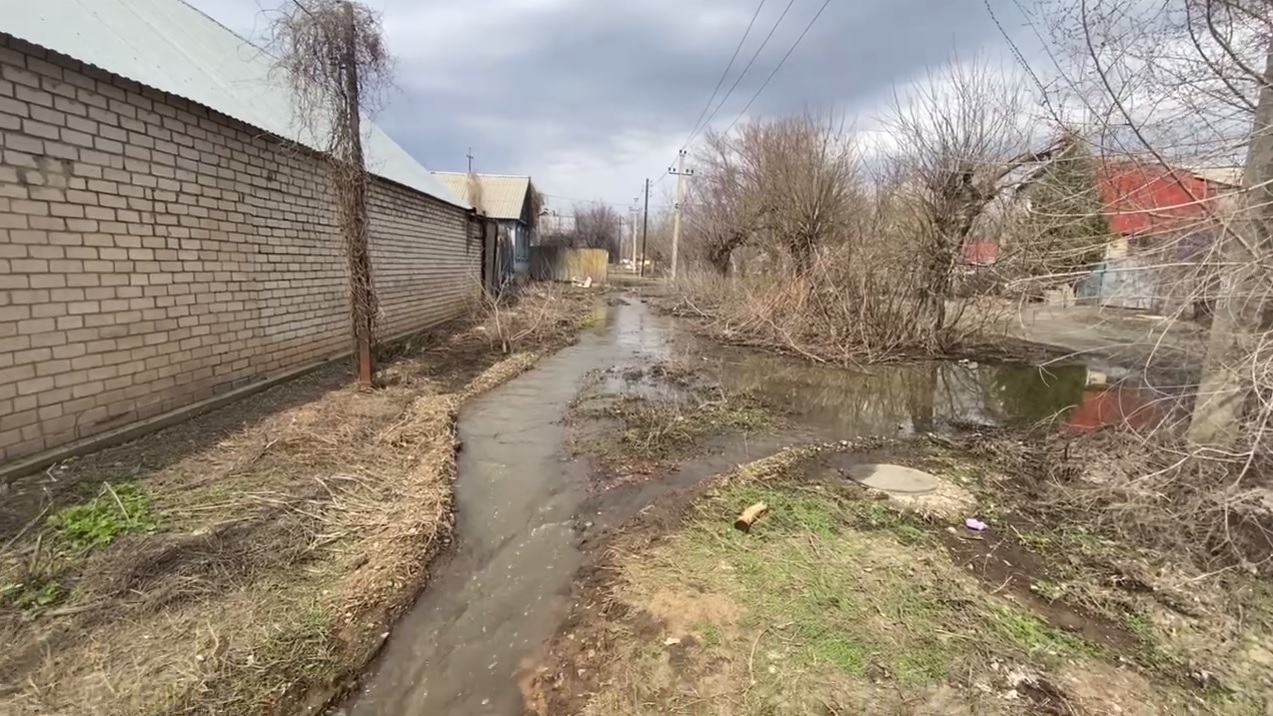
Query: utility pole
(681,173)
(362,295)
(645,226)
(470,157)
(633,212)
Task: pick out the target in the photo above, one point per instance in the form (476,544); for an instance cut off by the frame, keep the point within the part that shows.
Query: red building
(1151,199)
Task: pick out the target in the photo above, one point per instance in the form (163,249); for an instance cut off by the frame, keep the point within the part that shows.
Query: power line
(779,65)
(743,74)
(728,67)
(698,128)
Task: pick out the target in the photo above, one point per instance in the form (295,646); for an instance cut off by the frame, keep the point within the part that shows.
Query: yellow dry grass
(278,547)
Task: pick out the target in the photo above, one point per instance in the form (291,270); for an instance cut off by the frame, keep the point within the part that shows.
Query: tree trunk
(1226,384)
(720,259)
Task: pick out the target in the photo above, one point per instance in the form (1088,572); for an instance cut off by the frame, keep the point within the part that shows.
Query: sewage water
(519,492)
(501,594)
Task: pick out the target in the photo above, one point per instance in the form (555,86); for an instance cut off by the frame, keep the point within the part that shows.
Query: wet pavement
(520,496)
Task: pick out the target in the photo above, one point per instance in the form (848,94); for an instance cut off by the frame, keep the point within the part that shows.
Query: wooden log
(750,515)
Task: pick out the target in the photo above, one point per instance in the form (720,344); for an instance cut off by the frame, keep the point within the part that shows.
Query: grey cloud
(575,75)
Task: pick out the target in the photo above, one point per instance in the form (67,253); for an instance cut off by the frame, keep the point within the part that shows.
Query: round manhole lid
(895,478)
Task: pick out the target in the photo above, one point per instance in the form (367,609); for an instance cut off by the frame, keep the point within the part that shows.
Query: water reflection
(907,398)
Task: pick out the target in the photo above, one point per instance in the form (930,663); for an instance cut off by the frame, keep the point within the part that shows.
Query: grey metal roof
(170,46)
(503,195)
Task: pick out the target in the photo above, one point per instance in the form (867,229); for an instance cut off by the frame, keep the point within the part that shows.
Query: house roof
(1224,176)
(170,46)
(503,196)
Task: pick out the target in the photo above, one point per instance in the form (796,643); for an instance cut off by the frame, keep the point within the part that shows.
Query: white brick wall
(153,253)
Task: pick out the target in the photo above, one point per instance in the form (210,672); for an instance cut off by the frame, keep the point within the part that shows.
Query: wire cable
(737,80)
(743,74)
(721,82)
(779,65)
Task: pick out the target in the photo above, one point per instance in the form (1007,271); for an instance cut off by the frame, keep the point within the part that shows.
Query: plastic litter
(975,524)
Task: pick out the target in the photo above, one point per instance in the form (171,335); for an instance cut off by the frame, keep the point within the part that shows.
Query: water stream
(518,494)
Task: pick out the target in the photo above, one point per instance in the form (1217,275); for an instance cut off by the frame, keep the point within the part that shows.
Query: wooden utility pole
(354,210)
(645,226)
(470,158)
(681,173)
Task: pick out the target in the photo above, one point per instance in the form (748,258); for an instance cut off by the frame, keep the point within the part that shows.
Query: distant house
(1144,200)
(510,201)
(1163,222)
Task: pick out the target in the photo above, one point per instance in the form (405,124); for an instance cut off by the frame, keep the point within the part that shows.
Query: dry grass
(280,537)
(839,603)
(651,417)
(1148,493)
(854,304)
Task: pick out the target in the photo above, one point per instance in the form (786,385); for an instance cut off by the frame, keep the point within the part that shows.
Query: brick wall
(154,253)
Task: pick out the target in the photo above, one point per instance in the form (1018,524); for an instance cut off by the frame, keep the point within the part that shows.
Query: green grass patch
(118,509)
(843,591)
(32,596)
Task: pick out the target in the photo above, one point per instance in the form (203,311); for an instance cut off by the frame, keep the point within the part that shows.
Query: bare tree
(803,176)
(790,182)
(722,212)
(598,226)
(334,54)
(961,135)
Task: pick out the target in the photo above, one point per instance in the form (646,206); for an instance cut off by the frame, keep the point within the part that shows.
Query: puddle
(519,495)
(908,398)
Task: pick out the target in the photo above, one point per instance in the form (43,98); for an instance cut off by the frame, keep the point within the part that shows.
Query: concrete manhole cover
(895,478)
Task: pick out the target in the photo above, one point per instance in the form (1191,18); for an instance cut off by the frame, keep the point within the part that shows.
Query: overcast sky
(589,97)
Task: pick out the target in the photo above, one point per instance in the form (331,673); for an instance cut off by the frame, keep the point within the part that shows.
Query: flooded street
(500,595)
(520,494)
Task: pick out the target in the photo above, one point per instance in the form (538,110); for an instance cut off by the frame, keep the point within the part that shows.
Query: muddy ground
(249,560)
(844,601)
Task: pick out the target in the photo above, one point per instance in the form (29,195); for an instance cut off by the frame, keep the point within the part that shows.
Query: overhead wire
(721,82)
(728,93)
(742,74)
(777,67)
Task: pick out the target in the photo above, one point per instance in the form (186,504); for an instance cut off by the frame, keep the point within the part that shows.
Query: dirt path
(247,561)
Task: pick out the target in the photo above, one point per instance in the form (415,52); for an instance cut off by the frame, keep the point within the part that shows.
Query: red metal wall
(1141,200)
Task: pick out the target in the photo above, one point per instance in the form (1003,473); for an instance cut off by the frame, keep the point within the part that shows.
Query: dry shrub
(835,311)
(532,314)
